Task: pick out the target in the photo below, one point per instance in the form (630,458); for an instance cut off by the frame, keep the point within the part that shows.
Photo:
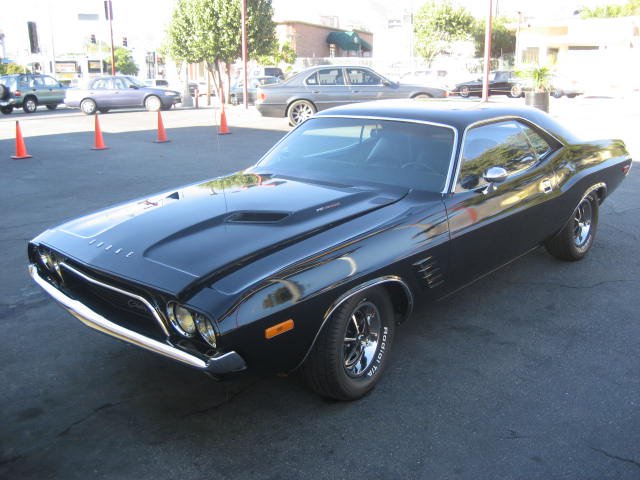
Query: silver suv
(29,90)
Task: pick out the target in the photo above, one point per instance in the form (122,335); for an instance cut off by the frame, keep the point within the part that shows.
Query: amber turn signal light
(278,329)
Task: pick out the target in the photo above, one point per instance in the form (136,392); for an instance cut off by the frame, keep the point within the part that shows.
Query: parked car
(501,82)
(32,89)
(6,100)
(561,85)
(328,86)
(310,258)
(237,91)
(157,83)
(120,91)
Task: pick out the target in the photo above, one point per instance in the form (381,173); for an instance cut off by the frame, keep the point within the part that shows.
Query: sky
(143,21)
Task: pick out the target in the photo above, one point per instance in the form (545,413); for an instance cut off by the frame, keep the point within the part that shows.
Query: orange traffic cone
(162,135)
(98,143)
(224,129)
(21,149)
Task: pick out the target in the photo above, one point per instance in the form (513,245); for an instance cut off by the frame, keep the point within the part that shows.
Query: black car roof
(458,114)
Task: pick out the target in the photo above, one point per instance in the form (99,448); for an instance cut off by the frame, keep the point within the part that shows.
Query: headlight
(181,319)
(171,94)
(206,330)
(50,262)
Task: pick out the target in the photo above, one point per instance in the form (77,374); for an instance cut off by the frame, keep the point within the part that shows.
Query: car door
(493,223)
(501,83)
(55,90)
(126,93)
(366,85)
(327,88)
(102,92)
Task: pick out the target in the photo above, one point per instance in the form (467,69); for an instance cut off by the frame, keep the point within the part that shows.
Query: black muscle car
(501,82)
(311,258)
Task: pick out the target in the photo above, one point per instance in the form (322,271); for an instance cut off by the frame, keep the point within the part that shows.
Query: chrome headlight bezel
(206,330)
(178,317)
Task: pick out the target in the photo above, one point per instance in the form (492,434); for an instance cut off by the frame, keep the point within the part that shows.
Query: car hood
(204,231)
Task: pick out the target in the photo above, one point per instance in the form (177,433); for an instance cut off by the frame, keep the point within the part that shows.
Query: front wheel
(465,92)
(353,347)
(422,96)
(152,103)
(299,111)
(576,238)
(30,104)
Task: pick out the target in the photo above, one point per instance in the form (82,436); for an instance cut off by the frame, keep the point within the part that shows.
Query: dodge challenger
(310,259)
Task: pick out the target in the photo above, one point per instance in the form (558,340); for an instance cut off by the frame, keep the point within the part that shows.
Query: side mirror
(386,83)
(495,175)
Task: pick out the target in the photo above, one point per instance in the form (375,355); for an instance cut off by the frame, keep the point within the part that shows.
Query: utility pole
(487,53)
(245,91)
(108,12)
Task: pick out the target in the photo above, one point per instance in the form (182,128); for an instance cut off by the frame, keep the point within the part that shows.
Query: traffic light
(124,41)
(92,38)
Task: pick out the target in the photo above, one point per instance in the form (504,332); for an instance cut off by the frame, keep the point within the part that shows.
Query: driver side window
(501,144)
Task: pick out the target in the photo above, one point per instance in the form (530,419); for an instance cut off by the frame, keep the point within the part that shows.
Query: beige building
(603,52)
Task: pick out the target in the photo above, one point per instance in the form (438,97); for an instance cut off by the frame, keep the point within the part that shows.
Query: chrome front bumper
(227,363)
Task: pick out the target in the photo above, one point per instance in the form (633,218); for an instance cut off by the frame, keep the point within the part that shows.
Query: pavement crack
(228,398)
(573,287)
(94,412)
(615,457)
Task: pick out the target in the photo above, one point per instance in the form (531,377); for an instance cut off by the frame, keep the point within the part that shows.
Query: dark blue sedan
(119,91)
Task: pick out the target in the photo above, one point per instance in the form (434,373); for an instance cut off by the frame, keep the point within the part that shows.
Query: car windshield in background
(358,150)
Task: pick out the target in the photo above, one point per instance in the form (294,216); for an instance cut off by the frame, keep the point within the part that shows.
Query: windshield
(135,82)
(358,150)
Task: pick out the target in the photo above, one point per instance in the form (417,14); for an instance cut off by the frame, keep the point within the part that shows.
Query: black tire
(4,92)
(465,91)
(299,111)
(88,106)
(52,107)
(30,104)
(6,110)
(350,355)
(576,237)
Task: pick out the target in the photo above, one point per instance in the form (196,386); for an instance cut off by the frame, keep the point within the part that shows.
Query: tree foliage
(630,9)
(437,25)
(210,31)
(503,40)
(285,54)
(124,62)
(11,68)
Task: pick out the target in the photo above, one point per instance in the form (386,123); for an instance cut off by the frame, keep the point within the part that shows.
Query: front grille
(118,306)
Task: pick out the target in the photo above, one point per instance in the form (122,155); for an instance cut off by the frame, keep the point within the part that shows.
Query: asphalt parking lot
(531,373)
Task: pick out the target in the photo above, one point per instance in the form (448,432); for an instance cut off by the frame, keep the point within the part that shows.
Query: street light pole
(487,53)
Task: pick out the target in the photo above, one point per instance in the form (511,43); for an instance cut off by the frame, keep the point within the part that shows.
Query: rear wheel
(4,92)
(516,91)
(576,238)
(464,91)
(6,109)
(299,111)
(88,106)
(30,104)
(152,103)
(353,347)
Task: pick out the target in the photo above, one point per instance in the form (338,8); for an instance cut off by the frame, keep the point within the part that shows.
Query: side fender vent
(429,272)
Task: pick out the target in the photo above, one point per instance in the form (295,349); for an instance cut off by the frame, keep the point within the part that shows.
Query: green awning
(348,41)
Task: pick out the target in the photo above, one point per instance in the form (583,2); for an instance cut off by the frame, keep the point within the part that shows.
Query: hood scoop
(257,217)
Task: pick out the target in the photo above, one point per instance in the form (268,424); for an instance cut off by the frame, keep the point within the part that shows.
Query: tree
(124,62)
(285,54)
(10,68)
(209,31)
(503,40)
(437,25)
(630,9)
